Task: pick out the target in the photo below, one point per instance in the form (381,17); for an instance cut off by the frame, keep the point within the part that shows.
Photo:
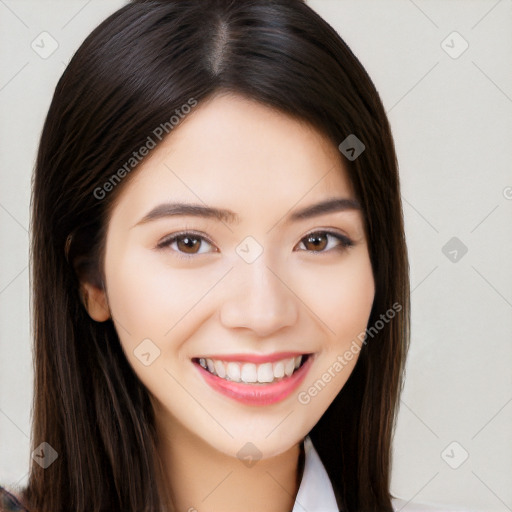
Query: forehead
(236,153)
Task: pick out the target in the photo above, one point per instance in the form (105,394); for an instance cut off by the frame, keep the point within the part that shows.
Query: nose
(259,299)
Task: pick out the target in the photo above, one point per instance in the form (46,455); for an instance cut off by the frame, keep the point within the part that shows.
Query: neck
(202,479)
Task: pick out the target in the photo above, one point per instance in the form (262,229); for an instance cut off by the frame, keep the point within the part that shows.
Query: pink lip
(253,358)
(256,394)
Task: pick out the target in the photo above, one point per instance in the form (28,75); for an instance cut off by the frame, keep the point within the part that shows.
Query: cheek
(356,294)
(150,299)
(143,298)
(344,304)
(152,307)
(340,296)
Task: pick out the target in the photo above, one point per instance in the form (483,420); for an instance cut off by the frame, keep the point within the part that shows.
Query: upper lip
(253,358)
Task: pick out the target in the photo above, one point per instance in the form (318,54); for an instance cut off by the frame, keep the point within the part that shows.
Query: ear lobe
(95,302)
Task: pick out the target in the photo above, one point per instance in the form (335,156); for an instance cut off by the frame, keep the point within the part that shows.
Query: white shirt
(317,495)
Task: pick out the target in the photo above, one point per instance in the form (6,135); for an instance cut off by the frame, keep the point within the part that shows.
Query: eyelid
(345,241)
(167,240)
(177,234)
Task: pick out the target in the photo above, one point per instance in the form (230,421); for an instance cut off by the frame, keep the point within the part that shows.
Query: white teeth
(220,369)
(233,370)
(279,370)
(265,373)
(289,367)
(250,372)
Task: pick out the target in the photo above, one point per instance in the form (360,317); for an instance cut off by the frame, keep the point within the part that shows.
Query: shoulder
(10,501)
(401,504)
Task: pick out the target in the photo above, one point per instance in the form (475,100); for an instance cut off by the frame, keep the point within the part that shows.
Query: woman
(220,276)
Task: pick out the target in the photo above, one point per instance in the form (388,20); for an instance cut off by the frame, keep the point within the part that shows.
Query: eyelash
(345,242)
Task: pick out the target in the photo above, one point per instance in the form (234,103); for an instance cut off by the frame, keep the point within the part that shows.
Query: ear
(95,301)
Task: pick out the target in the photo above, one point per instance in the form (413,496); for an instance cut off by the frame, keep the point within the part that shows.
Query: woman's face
(244,293)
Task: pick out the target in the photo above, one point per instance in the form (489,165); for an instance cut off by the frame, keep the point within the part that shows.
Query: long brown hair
(130,76)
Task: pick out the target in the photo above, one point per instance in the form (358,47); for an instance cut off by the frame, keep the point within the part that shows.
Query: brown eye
(318,241)
(186,245)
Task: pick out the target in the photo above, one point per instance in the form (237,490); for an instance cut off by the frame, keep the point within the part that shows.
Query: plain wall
(451,116)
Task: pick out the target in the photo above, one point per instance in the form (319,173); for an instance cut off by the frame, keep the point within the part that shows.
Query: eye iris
(187,244)
(319,241)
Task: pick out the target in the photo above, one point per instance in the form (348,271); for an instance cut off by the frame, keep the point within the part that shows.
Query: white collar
(315,491)
(317,495)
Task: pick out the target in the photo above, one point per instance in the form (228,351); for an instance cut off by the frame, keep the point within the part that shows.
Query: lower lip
(257,394)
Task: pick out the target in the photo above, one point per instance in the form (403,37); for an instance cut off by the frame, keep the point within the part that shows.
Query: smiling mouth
(252,373)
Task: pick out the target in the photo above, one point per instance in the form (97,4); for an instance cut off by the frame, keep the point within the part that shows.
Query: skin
(234,153)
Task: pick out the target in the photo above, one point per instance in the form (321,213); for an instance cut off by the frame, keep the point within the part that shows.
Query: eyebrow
(338,204)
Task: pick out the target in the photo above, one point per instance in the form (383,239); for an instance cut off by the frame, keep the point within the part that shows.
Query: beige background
(451,116)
